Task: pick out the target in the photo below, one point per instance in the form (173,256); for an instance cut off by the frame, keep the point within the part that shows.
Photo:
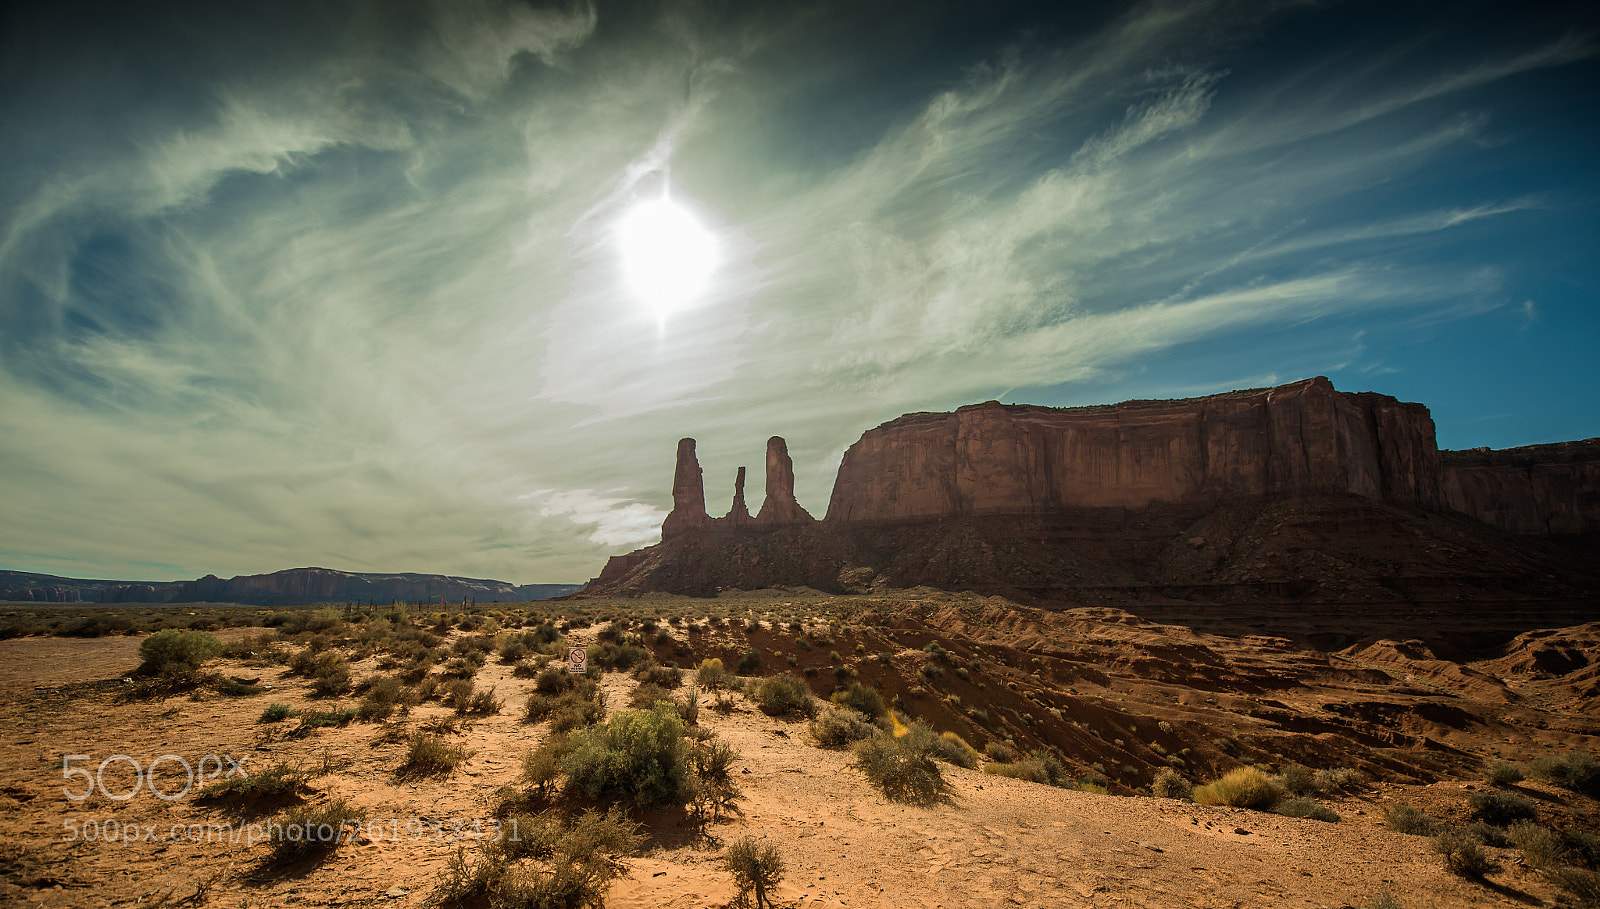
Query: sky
(352,284)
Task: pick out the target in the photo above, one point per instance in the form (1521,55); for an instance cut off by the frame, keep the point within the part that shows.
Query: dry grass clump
(1245,787)
(581,705)
(1169,784)
(1407,819)
(841,727)
(652,673)
(756,868)
(431,755)
(1462,854)
(277,784)
(310,831)
(1306,808)
(900,771)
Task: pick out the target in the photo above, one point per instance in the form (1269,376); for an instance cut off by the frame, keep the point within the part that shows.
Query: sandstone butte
(1108,485)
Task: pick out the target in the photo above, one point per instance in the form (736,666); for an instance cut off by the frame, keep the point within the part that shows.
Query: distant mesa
(1057,501)
(293,587)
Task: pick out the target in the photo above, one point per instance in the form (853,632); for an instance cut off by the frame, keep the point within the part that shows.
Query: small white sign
(577,657)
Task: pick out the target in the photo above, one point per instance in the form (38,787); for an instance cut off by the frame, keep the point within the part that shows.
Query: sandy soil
(1001,842)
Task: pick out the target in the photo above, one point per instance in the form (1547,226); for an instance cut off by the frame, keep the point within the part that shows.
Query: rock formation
(1547,490)
(1299,439)
(688,495)
(780,507)
(738,515)
(1297,493)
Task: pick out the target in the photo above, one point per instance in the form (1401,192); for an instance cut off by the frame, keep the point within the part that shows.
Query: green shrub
(656,674)
(1488,834)
(1169,784)
(900,772)
(1403,818)
(541,766)
(322,719)
(1306,808)
(542,862)
(1462,854)
(1503,773)
(861,698)
(582,706)
(430,755)
(1578,771)
(783,694)
(1245,787)
(174,651)
(311,831)
(637,755)
(1501,808)
(1296,780)
(750,663)
(841,727)
(648,693)
(756,868)
(612,655)
(276,713)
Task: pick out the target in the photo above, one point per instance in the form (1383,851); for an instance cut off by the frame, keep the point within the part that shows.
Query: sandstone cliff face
(688,495)
(988,459)
(1549,490)
(780,507)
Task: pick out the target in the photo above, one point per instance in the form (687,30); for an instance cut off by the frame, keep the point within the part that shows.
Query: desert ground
(1418,705)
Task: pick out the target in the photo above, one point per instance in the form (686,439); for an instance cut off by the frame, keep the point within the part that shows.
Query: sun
(667,255)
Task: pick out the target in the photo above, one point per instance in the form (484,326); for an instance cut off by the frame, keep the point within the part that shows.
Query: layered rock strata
(986,459)
(1546,490)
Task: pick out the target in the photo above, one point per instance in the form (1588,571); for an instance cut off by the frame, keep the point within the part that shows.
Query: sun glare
(667,256)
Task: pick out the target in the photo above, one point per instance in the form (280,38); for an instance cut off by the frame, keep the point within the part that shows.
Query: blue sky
(341,284)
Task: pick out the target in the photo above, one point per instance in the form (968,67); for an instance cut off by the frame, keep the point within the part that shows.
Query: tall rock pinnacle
(739,515)
(780,506)
(688,495)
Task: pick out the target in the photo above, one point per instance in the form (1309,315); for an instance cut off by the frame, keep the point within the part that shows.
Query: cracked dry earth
(1000,842)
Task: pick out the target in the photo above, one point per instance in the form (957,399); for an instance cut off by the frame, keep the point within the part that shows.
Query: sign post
(577,658)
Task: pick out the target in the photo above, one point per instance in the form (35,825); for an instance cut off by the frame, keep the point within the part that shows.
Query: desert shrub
(861,698)
(457,693)
(543,862)
(1307,808)
(1295,779)
(95,627)
(750,663)
(1501,808)
(553,679)
(1462,854)
(1383,899)
(1029,769)
(430,755)
(541,766)
(648,693)
(1245,787)
(711,675)
(1578,771)
(900,772)
(1582,884)
(637,755)
(332,677)
(1582,846)
(1502,773)
(311,831)
(384,693)
(1338,779)
(612,655)
(482,703)
(323,719)
(1093,781)
(711,779)
(1169,784)
(784,694)
(946,746)
(656,674)
(1407,819)
(1488,834)
(689,710)
(841,727)
(756,868)
(276,713)
(1000,752)
(276,784)
(175,651)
